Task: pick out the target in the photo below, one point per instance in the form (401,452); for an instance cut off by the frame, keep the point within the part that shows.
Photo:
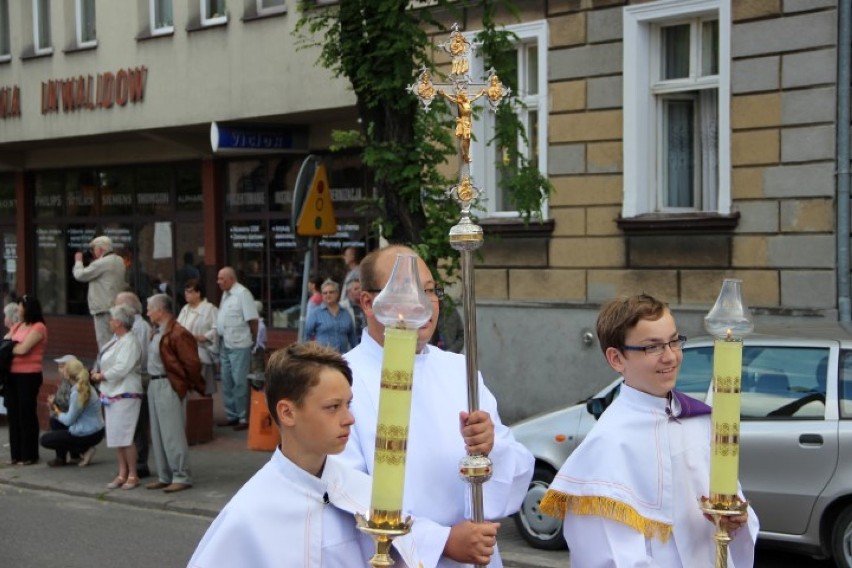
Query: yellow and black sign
(317,216)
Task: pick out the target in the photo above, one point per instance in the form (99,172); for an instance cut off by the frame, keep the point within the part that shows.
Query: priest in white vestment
(434,493)
(629,494)
(298,510)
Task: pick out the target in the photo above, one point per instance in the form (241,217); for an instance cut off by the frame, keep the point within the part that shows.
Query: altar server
(440,432)
(630,492)
(298,510)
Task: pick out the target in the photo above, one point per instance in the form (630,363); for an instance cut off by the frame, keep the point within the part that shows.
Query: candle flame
(729,334)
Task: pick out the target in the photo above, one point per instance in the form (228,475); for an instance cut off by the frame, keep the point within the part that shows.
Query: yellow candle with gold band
(392,430)
(725,448)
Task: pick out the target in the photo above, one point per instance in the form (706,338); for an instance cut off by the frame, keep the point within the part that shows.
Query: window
(162,21)
(213,12)
(41,27)
(5,47)
(676,101)
(86,36)
(784,383)
(844,387)
(529,83)
(270,6)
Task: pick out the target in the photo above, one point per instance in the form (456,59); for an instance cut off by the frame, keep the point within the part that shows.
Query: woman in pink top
(24,381)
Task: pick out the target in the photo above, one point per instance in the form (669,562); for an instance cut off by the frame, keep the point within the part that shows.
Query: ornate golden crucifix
(460,92)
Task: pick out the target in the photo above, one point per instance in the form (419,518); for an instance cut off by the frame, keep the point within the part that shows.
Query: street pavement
(219,469)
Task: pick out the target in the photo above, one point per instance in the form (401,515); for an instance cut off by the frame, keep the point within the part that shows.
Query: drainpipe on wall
(844,47)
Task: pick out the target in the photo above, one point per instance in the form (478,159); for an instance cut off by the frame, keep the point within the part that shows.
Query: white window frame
(5,30)
(80,26)
(207,20)
(37,39)
(484,154)
(266,10)
(640,59)
(155,28)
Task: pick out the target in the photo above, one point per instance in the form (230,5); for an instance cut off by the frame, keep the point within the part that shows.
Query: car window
(696,370)
(784,383)
(845,385)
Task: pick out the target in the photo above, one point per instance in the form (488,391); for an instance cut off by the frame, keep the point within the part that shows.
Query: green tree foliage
(380,46)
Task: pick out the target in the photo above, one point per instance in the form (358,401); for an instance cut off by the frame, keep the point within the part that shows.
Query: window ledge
(147,35)
(198,26)
(517,228)
(31,53)
(658,223)
(79,48)
(264,16)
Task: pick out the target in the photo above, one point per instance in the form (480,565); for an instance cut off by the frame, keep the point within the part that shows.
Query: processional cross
(465,236)
(460,92)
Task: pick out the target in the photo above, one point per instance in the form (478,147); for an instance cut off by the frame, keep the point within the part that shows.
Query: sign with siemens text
(256,140)
(93,92)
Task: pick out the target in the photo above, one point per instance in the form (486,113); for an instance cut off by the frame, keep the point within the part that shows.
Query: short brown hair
(620,315)
(292,371)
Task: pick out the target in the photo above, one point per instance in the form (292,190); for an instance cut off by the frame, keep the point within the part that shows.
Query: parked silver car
(796,438)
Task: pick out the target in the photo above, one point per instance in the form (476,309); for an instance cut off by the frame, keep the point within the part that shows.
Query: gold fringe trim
(556,504)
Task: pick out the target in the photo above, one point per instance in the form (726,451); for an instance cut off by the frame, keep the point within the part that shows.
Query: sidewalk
(219,468)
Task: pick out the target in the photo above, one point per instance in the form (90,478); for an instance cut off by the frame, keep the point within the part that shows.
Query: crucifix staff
(465,236)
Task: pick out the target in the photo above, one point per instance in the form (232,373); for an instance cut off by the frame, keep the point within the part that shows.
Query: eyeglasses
(436,293)
(658,348)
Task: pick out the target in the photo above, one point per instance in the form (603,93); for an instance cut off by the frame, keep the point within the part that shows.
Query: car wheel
(841,539)
(539,530)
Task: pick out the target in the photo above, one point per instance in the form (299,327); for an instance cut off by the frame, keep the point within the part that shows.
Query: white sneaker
(87,456)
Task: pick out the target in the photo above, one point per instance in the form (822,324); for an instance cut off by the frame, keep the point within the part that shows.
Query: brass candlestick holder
(383,536)
(729,506)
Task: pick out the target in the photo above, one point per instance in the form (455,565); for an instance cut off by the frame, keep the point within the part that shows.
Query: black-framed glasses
(658,348)
(435,293)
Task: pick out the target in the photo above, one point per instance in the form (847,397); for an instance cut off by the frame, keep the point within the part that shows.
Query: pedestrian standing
(175,368)
(236,324)
(105,276)
(24,380)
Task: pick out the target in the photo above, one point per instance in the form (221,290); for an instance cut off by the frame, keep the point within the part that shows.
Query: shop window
(676,108)
(5,43)
(135,207)
(260,241)
(213,12)
(528,80)
(86,34)
(8,238)
(41,27)
(162,21)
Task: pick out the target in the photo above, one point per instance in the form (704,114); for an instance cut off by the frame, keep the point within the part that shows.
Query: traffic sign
(317,215)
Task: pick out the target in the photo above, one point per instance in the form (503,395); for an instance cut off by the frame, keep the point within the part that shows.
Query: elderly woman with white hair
(329,324)
(121,393)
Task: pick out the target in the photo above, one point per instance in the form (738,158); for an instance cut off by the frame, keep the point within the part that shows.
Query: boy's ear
(284,410)
(615,358)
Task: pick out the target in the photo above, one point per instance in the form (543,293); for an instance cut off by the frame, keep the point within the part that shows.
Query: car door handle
(811,439)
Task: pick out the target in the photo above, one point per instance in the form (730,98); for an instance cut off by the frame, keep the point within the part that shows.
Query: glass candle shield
(402,302)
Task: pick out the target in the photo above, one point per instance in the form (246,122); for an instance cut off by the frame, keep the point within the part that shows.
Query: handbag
(6,346)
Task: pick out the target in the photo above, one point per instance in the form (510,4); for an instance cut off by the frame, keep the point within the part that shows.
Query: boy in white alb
(630,492)
(298,510)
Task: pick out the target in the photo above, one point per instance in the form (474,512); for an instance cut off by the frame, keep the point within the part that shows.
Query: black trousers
(64,442)
(21,398)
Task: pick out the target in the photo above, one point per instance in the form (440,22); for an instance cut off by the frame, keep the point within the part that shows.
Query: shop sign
(241,139)
(10,101)
(94,92)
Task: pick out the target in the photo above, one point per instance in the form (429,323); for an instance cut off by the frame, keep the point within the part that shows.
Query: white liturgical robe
(435,495)
(630,492)
(284,516)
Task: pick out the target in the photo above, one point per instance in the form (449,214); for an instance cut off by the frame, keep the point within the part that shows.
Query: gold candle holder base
(718,509)
(383,537)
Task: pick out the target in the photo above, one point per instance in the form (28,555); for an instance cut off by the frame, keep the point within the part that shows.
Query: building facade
(687,141)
